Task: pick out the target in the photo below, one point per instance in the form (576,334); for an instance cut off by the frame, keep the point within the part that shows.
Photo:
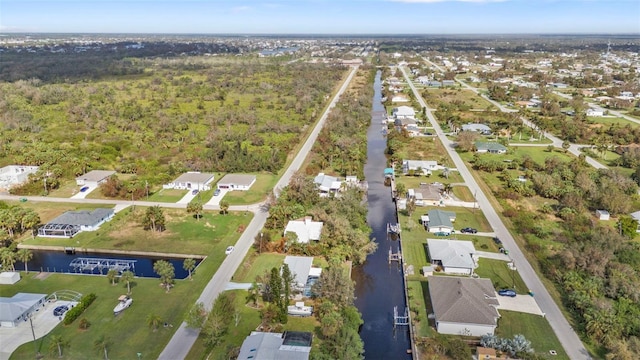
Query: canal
(59,261)
(380,285)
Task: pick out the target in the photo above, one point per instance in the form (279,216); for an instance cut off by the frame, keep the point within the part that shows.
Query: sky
(322,16)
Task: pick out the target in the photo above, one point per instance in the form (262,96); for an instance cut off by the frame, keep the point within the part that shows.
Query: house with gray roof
(192,180)
(70,223)
(403,112)
(237,182)
(425,166)
(454,256)
(490,147)
(440,221)
(302,269)
(480,128)
(425,194)
(17,308)
(290,345)
(463,306)
(94,178)
(327,184)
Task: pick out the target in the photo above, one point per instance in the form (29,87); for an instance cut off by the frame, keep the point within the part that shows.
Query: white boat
(124,302)
(299,309)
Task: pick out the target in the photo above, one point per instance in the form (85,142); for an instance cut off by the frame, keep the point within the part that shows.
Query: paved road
(568,338)
(183,339)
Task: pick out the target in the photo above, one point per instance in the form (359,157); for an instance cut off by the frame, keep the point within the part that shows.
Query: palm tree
(57,344)
(127,276)
(8,259)
(24,255)
(111,276)
(166,271)
(189,264)
(153,320)
(195,207)
(30,220)
(224,206)
(101,344)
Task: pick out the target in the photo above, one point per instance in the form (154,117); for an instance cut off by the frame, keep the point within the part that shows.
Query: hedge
(77,310)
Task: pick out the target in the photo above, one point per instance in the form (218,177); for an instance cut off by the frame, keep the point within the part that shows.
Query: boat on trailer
(124,302)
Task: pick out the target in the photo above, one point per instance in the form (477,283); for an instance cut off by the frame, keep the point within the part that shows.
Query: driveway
(187,197)
(520,303)
(492,255)
(43,323)
(215,200)
(83,194)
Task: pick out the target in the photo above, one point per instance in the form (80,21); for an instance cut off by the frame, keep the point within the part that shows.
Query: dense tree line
(16,220)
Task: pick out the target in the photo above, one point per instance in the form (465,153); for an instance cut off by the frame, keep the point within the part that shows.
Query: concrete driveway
(520,303)
(187,197)
(215,200)
(492,255)
(82,195)
(43,323)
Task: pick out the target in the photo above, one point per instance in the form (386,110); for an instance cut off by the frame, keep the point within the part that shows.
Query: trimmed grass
(184,234)
(255,265)
(418,293)
(257,193)
(501,275)
(535,328)
(168,195)
(463,193)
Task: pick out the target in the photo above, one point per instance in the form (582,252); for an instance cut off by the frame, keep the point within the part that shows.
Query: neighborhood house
(94,178)
(403,112)
(241,182)
(480,128)
(419,167)
(454,256)
(290,345)
(305,229)
(463,306)
(18,307)
(72,222)
(490,147)
(439,221)
(304,274)
(327,184)
(191,181)
(12,175)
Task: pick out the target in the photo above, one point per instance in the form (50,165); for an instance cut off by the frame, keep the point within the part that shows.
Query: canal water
(58,261)
(380,285)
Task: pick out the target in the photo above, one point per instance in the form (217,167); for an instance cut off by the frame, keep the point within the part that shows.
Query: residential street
(568,338)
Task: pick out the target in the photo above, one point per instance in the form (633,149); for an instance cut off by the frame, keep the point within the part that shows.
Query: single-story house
(236,182)
(305,228)
(12,175)
(440,221)
(425,166)
(490,147)
(434,83)
(463,306)
(595,112)
(423,80)
(290,345)
(636,217)
(454,256)
(399,98)
(94,177)
(481,128)
(18,307)
(602,214)
(191,180)
(72,222)
(9,277)
(426,193)
(403,112)
(405,122)
(327,184)
(302,269)
(448,83)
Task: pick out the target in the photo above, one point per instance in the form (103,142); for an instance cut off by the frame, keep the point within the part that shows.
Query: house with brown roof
(463,306)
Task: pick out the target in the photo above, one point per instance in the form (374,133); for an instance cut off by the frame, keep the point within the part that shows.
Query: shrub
(84,324)
(77,310)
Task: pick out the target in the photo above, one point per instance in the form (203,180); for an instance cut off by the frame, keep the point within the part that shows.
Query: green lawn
(418,294)
(257,193)
(535,328)
(184,234)
(255,265)
(501,275)
(168,195)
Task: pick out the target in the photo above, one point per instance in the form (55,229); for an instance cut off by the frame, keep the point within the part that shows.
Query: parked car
(194,192)
(497,241)
(504,251)
(216,192)
(229,250)
(84,188)
(507,292)
(60,310)
(468,230)
(441,233)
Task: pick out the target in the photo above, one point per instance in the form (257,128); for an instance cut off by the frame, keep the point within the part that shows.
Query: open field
(501,276)
(258,192)
(535,328)
(606,121)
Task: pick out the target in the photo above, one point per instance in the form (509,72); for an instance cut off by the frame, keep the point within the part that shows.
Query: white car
(229,250)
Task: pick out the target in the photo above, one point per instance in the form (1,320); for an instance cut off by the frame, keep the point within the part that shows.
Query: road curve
(563,330)
(183,339)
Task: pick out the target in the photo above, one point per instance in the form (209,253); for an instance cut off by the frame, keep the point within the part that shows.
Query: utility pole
(260,251)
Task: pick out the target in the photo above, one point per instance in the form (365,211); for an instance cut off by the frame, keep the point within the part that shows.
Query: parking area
(520,303)
(43,322)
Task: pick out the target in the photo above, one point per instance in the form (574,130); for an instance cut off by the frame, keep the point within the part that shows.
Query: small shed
(602,214)
(9,277)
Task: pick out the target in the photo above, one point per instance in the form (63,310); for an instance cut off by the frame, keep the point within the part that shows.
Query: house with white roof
(327,184)
(454,256)
(13,175)
(242,182)
(17,308)
(595,112)
(404,112)
(480,128)
(70,223)
(305,228)
(636,217)
(425,166)
(191,180)
(301,267)
(290,345)
(94,178)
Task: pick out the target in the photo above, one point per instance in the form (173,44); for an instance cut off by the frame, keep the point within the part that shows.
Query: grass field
(257,193)
(168,195)
(501,276)
(535,328)
(184,234)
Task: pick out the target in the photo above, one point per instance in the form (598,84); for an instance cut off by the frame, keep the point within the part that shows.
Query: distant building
(404,112)
(291,345)
(602,214)
(425,166)
(94,178)
(490,147)
(13,175)
(480,128)
(241,182)
(192,180)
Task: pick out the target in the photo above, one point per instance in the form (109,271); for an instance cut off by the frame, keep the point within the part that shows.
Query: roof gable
(452,253)
(463,300)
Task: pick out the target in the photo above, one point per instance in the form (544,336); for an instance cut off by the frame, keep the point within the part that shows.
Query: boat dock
(91,264)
